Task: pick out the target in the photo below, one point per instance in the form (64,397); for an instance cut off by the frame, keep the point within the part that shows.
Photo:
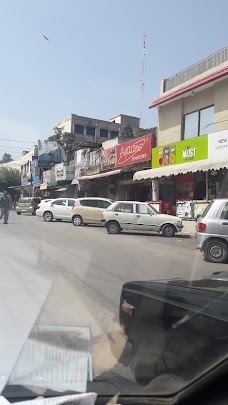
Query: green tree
(127,132)
(6,158)
(9,177)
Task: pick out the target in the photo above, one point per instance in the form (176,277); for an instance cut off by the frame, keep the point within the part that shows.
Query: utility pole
(142,79)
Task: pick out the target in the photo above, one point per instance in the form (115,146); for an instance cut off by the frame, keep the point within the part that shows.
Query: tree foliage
(6,158)
(127,132)
(9,177)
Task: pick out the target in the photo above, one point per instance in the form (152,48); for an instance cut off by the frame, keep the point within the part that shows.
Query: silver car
(139,216)
(212,231)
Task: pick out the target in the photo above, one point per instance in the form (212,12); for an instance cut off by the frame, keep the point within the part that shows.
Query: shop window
(104,133)
(224,213)
(90,131)
(199,122)
(124,207)
(142,209)
(78,129)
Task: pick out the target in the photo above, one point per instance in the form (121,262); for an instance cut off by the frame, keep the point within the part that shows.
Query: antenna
(142,77)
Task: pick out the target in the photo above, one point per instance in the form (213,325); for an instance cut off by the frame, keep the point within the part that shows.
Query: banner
(184,184)
(189,150)
(50,152)
(108,158)
(218,145)
(135,151)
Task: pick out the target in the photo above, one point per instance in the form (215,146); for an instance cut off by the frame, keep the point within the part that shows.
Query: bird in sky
(46,38)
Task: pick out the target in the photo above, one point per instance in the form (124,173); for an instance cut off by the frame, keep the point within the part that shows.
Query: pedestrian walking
(5,204)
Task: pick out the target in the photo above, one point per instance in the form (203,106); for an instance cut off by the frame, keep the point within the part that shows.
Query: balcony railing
(198,68)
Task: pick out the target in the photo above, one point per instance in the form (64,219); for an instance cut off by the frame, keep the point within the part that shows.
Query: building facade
(191,159)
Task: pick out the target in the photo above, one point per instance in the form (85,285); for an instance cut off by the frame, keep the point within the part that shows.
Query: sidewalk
(189,227)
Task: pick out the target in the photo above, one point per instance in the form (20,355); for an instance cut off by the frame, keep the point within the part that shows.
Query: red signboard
(135,151)
(184,186)
(108,158)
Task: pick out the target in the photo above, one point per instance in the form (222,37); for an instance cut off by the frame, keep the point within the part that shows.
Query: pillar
(155,190)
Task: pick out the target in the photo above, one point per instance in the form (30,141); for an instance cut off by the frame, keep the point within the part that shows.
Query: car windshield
(113,198)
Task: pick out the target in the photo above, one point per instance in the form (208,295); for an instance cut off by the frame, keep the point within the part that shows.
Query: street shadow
(154,234)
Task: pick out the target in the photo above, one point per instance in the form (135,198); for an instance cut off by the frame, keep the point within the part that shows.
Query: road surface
(86,268)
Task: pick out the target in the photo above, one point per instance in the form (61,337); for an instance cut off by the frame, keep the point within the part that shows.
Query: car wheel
(77,220)
(168,231)
(58,220)
(113,227)
(48,216)
(18,213)
(215,251)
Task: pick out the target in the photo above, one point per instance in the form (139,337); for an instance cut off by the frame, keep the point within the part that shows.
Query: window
(71,203)
(114,134)
(143,209)
(90,131)
(199,122)
(124,207)
(78,129)
(224,213)
(88,203)
(104,133)
(103,204)
(60,202)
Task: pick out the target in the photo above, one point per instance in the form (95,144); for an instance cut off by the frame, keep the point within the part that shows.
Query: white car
(139,216)
(59,209)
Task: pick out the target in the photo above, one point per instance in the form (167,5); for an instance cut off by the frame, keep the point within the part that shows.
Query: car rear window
(207,209)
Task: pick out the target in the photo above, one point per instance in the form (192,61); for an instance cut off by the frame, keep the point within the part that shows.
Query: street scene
(113,202)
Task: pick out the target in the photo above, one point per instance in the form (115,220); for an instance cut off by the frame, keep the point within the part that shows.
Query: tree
(127,132)
(9,177)
(6,158)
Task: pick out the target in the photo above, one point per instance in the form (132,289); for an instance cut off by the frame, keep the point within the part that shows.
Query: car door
(70,204)
(59,208)
(102,205)
(125,215)
(145,218)
(223,220)
(87,210)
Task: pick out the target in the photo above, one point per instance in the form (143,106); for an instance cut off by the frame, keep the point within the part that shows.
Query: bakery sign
(108,158)
(136,151)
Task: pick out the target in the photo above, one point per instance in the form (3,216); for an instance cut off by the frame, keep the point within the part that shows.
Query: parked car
(139,216)
(212,231)
(168,324)
(27,205)
(89,210)
(58,209)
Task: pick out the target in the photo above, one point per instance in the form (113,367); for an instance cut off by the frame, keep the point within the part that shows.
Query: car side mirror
(151,213)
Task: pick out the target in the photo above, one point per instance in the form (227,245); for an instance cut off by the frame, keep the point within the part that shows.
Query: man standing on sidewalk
(5,204)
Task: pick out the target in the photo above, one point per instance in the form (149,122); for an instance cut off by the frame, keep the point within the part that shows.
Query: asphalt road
(87,268)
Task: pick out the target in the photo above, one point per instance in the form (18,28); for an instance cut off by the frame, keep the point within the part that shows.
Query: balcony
(197,69)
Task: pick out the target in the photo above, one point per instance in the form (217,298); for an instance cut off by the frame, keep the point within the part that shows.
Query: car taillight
(201,227)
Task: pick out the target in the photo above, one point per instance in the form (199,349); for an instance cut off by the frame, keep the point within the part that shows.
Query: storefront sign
(49,152)
(184,184)
(189,150)
(218,145)
(64,172)
(135,151)
(184,209)
(199,207)
(47,176)
(108,158)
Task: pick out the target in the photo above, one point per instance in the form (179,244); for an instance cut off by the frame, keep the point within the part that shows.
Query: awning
(97,176)
(191,167)
(74,181)
(43,186)
(52,183)
(62,189)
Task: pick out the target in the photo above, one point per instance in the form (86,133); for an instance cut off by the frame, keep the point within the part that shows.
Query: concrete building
(190,161)
(95,130)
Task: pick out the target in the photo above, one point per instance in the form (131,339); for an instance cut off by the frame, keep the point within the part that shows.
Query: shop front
(190,173)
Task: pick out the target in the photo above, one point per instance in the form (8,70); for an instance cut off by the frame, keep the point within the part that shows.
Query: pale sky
(92,64)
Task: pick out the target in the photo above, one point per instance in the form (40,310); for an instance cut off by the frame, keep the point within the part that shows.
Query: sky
(91,65)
